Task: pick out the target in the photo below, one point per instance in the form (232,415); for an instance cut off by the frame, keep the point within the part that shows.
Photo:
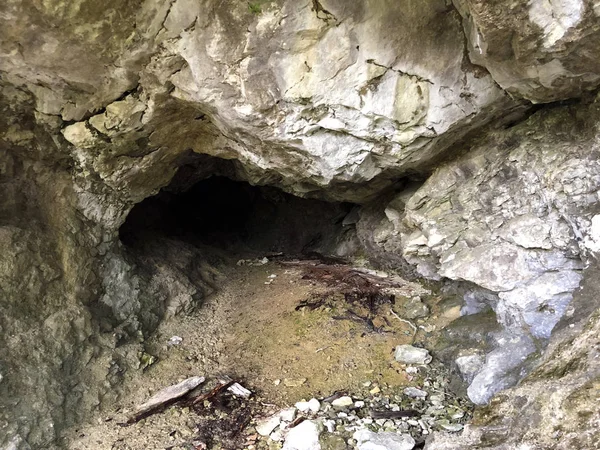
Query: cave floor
(252,330)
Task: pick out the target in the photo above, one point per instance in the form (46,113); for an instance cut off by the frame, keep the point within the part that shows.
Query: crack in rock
(401,72)
(326,15)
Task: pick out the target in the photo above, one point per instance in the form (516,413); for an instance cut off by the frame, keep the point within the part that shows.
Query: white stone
(304,436)
(303,406)
(288,414)
(314,405)
(414,392)
(408,354)
(175,340)
(368,440)
(265,427)
(277,435)
(342,402)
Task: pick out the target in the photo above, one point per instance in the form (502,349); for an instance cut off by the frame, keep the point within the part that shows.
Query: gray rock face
(542,51)
(100,106)
(338,103)
(515,216)
(470,365)
(555,406)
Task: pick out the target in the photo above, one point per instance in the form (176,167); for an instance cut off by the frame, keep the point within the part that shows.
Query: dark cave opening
(234,215)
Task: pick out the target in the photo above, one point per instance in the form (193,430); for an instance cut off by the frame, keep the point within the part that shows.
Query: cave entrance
(235,215)
(239,280)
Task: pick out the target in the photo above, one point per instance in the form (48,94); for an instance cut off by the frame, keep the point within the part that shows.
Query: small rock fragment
(288,414)
(428,327)
(168,394)
(175,340)
(414,392)
(330,425)
(294,382)
(314,405)
(452,427)
(146,360)
(303,406)
(305,436)
(412,355)
(342,402)
(265,427)
(415,309)
(368,440)
(239,391)
(277,435)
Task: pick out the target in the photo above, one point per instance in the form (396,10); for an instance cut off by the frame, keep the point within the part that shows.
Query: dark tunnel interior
(221,212)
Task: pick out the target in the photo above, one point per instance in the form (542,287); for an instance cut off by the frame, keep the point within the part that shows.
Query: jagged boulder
(540,50)
(514,217)
(556,405)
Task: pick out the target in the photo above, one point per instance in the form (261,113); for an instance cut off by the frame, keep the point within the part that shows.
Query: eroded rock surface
(301,99)
(555,407)
(102,103)
(539,50)
(514,217)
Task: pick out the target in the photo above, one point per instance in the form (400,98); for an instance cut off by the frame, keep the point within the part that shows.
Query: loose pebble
(342,402)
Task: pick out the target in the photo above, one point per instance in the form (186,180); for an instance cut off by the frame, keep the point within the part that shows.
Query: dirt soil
(254,331)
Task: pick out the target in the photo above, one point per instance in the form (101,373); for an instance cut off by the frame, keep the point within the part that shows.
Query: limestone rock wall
(539,50)
(515,217)
(68,293)
(555,406)
(46,279)
(333,98)
(102,102)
